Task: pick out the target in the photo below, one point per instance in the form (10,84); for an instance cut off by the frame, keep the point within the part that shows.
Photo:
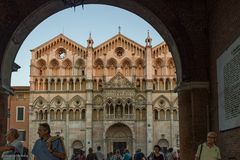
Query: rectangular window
(20,113)
(22,135)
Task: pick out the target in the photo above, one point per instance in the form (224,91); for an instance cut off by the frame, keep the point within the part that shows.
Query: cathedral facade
(117,95)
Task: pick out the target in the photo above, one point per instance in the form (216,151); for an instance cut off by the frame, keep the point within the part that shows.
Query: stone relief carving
(162,103)
(98,101)
(119,81)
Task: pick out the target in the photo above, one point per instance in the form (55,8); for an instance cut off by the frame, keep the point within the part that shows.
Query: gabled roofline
(118,35)
(54,38)
(158,45)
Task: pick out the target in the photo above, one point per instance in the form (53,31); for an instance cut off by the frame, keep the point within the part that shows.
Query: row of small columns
(165,115)
(82,85)
(60,115)
(69,86)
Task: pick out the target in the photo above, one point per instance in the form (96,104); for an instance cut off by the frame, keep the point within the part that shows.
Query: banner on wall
(228,77)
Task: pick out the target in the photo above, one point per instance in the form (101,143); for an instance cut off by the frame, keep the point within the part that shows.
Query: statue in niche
(118,112)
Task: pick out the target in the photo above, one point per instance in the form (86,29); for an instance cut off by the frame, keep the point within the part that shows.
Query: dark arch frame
(51,7)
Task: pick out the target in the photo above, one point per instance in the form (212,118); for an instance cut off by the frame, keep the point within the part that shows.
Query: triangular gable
(57,38)
(119,81)
(116,37)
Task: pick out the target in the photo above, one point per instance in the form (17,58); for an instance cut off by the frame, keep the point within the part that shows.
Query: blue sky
(101,20)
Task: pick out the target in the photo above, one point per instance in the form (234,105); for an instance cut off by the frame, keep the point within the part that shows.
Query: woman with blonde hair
(14,148)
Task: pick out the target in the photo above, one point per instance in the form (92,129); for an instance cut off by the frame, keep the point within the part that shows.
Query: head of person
(157,148)
(98,148)
(90,150)
(138,150)
(12,135)
(117,151)
(44,130)
(81,152)
(170,149)
(126,150)
(211,137)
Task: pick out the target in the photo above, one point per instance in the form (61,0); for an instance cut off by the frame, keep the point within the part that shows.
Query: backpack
(54,138)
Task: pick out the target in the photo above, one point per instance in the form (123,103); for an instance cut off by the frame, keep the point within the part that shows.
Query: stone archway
(174,23)
(118,137)
(51,7)
(164,144)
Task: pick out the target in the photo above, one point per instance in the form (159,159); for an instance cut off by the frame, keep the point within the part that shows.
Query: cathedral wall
(141,134)
(98,134)
(67,99)
(224,22)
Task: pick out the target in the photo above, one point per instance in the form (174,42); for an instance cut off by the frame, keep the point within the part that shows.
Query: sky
(101,21)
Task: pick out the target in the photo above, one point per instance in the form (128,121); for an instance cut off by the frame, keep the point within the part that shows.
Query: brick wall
(224,28)
(21,98)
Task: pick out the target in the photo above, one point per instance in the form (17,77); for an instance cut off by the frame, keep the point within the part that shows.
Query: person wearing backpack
(208,150)
(127,155)
(48,147)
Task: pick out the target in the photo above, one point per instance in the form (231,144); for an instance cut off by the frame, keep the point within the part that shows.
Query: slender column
(171,127)
(141,84)
(80,84)
(61,84)
(67,130)
(67,84)
(98,115)
(74,84)
(89,92)
(149,87)
(164,84)
(49,84)
(97,83)
(38,88)
(114,110)
(55,84)
(48,113)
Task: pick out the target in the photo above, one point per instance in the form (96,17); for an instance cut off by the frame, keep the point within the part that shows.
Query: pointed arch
(126,66)
(76,101)
(79,63)
(42,66)
(80,66)
(98,62)
(98,66)
(158,64)
(139,67)
(161,101)
(40,102)
(112,66)
(67,65)
(57,102)
(171,67)
(54,65)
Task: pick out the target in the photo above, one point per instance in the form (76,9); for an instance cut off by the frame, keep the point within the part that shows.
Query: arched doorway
(118,137)
(163,143)
(77,146)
